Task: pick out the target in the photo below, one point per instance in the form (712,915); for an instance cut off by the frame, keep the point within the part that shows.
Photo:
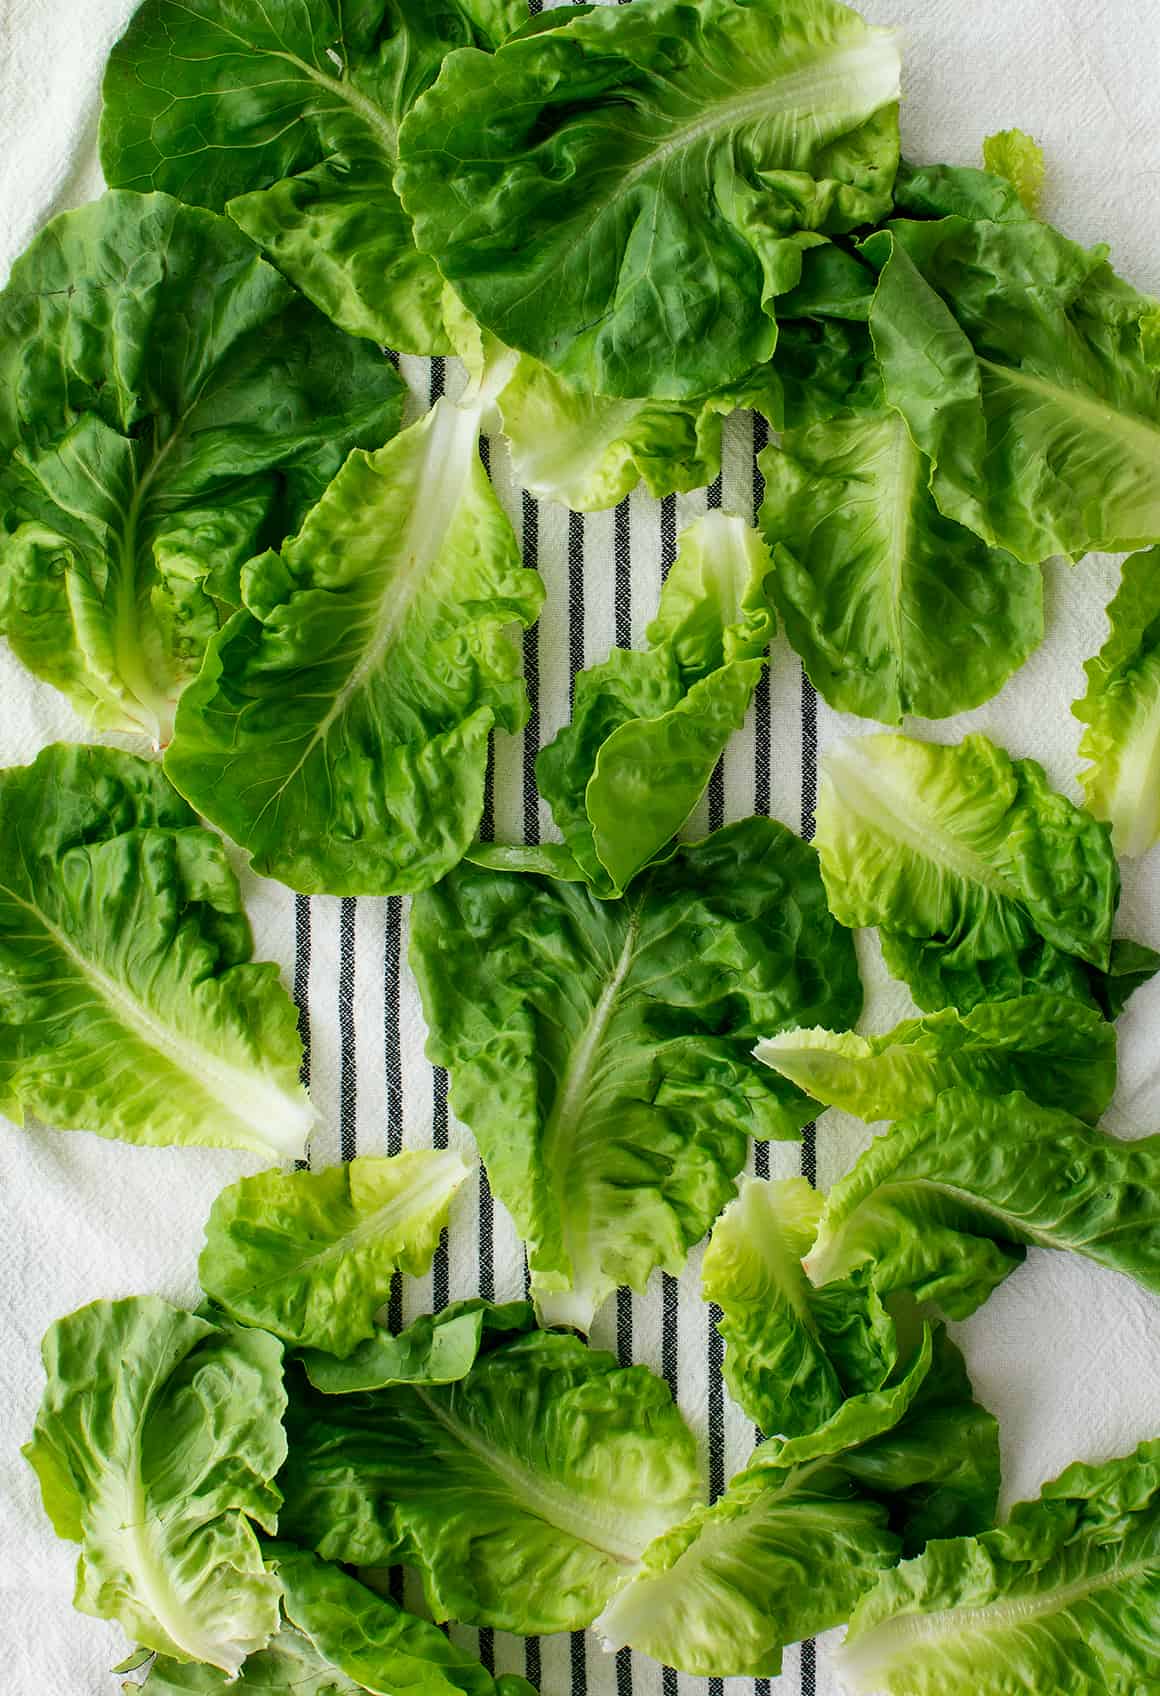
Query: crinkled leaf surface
(944,191)
(436,1348)
(942,1204)
(600,1051)
(1121,709)
(1064,1596)
(1051,1047)
(129,1004)
(339,729)
(1017,156)
(309,1255)
(648,728)
(970,863)
(800,1534)
(168,407)
(523,1494)
(155,1446)
(287,115)
(894,608)
(624,196)
(1019,363)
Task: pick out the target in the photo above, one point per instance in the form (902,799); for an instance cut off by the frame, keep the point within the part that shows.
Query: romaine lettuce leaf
(436,1348)
(287,116)
(1018,360)
(1121,709)
(943,1204)
(648,728)
(601,1051)
(156,1446)
(1064,1596)
(894,609)
(1055,1050)
(623,197)
(309,1255)
(168,407)
(980,875)
(339,729)
(1017,156)
(961,191)
(522,1494)
(805,1529)
(129,1004)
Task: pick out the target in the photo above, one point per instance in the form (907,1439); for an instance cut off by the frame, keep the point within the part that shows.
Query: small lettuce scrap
(309,1255)
(624,196)
(810,1524)
(287,116)
(129,1002)
(648,728)
(339,1638)
(1121,709)
(339,729)
(893,608)
(1017,156)
(1021,363)
(943,1205)
(168,407)
(792,1353)
(522,1494)
(601,1051)
(156,1448)
(436,1348)
(985,881)
(1064,1596)
(1054,1049)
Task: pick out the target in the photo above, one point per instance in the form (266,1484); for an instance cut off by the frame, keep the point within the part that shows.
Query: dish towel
(1066,1355)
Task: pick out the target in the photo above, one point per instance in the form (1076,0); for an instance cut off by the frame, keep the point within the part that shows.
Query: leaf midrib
(1102,416)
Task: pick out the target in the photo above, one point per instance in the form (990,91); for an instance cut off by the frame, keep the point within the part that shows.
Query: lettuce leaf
(1064,1596)
(942,1205)
(522,1494)
(1121,710)
(648,728)
(961,191)
(1019,362)
(156,1446)
(806,1528)
(1055,1050)
(129,1004)
(309,1255)
(339,729)
(436,1348)
(1017,156)
(985,881)
(624,196)
(168,407)
(600,1051)
(893,608)
(287,116)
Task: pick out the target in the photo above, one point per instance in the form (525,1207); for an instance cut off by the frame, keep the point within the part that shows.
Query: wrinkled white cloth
(1066,1355)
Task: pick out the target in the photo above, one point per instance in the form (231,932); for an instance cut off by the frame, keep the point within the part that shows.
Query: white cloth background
(1068,1356)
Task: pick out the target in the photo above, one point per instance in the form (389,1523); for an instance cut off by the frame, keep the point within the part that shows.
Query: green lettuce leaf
(288,116)
(309,1255)
(1019,363)
(339,729)
(943,1204)
(623,197)
(156,1447)
(792,1353)
(893,608)
(436,1348)
(1056,1051)
(129,1004)
(1121,710)
(1017,156)
(982,877)
(1064,1596)
(601,1051)
(961,191)
(805,1530)
(168,407)
(522,1494)
(648,728)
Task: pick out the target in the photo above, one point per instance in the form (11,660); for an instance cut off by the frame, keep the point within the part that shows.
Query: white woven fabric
(1066,1355)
